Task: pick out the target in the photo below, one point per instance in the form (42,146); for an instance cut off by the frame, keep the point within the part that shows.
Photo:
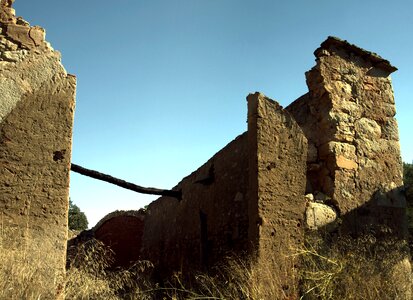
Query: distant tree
(408,180)
(77,218)
(408,187)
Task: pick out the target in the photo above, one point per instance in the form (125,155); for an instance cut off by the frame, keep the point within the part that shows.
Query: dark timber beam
(124,184)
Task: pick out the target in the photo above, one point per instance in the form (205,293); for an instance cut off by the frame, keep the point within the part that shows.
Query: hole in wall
(59,155)
(271,166)
(206,177)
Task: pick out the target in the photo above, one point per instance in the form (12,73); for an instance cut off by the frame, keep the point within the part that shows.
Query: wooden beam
(124,184)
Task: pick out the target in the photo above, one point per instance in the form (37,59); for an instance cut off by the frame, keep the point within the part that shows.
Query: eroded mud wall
(37,99)
(248,201)
(278,155)
(209,221)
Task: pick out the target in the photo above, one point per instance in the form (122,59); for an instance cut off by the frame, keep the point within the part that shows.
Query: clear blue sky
(162,84)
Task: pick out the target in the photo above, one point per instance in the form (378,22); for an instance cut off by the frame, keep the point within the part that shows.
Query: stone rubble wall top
(18,31)
(332,43)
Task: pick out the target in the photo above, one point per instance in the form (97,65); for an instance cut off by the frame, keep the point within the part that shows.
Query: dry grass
(362,268)
(233,280)
(90,275)
(21,277)
(23,273)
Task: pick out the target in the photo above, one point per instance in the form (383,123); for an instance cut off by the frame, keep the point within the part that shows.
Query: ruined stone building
(329,161)
(330,157)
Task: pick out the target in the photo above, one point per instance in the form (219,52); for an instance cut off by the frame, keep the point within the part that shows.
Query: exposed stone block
(367,129)
(20,33)
(312,155)
(319,216)
(345,163)
(390,130)
(336,148)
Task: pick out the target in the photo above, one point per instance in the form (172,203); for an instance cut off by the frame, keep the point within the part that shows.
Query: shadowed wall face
(123,234)
(37,100)
(209,222)
(248,198)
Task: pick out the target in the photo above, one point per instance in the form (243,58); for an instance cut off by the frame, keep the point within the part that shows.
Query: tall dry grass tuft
(236,278)
(23,273)
(90,275)
(359,268)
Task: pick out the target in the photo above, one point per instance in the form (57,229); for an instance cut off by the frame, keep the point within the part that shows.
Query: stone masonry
(348,118)
(37,99)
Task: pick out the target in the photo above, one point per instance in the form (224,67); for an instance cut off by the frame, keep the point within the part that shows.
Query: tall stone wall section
(278,156)
(348,117)
(37,100)
(211,219)
(247,201)
(354,166)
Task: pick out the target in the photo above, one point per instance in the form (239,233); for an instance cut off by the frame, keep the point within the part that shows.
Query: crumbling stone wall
(348,118)
(37,100)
